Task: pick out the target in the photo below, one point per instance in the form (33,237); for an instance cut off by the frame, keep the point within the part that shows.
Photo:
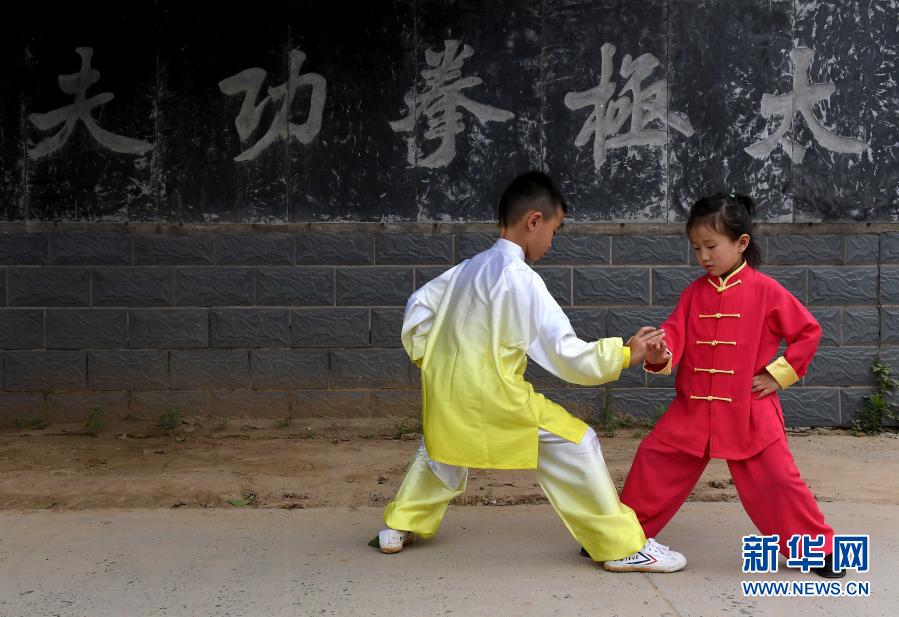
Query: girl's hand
(657,353)
(764,384)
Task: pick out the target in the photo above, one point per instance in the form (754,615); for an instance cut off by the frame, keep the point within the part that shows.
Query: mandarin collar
(507,246)
(732,279)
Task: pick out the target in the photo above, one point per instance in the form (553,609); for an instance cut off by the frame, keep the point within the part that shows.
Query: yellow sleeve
(782,372)
(603,363)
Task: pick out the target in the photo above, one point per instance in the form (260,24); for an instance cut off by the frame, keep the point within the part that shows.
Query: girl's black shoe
(826,570)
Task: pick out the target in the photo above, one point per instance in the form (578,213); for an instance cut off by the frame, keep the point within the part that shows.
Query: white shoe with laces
(393,540)
(653,557)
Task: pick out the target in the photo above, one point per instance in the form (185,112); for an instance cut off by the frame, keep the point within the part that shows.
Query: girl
(724,331)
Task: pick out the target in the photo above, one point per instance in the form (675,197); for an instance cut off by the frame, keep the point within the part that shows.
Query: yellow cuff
(782,373)
(664,371)
(625,357)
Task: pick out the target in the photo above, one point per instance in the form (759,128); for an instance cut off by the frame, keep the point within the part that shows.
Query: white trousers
(573,476)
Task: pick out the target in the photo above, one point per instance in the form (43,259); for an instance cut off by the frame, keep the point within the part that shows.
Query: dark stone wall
(238,207)
(423,110)
(306,321)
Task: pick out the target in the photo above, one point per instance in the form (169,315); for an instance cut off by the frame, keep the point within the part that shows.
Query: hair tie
(732,194)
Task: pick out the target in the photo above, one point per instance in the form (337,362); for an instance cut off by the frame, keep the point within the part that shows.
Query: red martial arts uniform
(723,332)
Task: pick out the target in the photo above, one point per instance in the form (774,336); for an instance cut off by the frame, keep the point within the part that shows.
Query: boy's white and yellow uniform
(471,330)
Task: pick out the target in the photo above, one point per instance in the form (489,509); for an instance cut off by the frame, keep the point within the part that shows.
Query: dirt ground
(269,465)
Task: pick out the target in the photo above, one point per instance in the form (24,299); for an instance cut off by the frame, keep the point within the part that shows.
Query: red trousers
(769,486)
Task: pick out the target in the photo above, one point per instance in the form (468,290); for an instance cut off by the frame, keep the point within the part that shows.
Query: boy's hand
(657,353)
(638,343)
(764,384)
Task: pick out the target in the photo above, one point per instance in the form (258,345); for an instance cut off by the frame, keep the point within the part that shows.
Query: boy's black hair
(729,214)
(533,190)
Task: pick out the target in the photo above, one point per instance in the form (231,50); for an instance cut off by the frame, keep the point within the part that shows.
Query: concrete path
(490,561)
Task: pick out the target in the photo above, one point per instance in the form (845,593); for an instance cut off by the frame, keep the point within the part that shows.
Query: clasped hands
(648,344)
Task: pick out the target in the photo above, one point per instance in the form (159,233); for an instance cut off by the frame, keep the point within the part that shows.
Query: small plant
(35,423)
(609,417)
(284,422)
(613,420)
(877,406)
(222,423)
(96,419)
(170,420)
(409,425)
(248,498)
(657,412)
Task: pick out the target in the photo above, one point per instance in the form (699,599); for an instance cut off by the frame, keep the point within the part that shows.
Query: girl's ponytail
(747,202)
(752,254)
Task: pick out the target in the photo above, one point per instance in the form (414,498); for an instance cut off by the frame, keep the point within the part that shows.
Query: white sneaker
(393,541)
(654,557)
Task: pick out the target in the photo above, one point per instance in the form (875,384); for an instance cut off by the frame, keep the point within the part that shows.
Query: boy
(470,331)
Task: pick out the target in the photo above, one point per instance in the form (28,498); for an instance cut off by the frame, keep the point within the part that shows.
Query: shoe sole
(830,574)
(648,569)
(390,550)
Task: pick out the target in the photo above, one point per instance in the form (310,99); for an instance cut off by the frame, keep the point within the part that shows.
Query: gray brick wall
(306,322)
